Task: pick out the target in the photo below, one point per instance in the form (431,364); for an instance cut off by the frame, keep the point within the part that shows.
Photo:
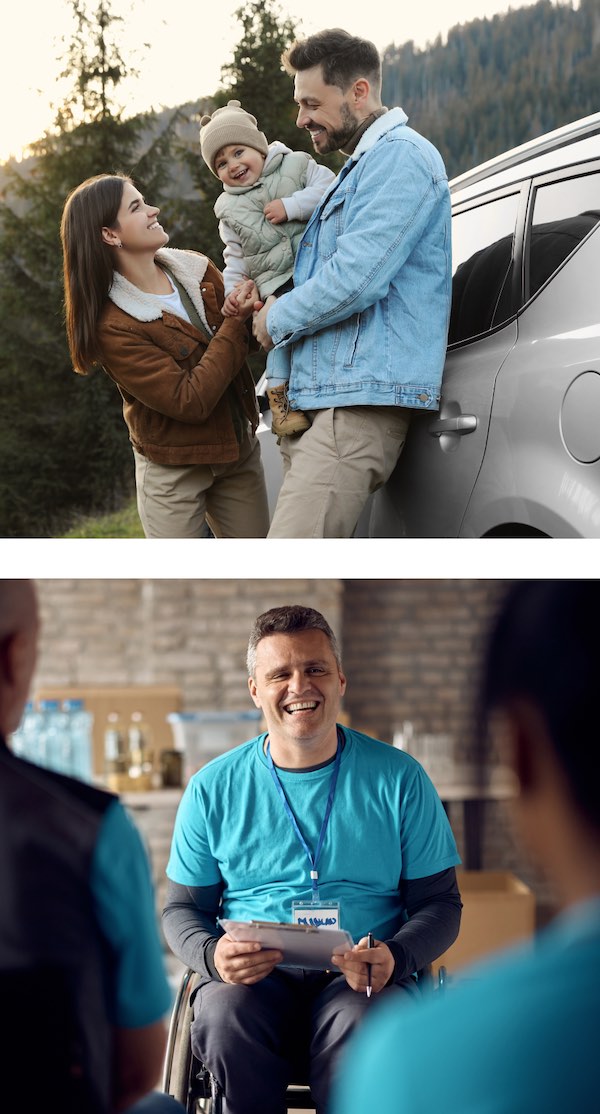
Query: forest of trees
(498,82)
(64,450)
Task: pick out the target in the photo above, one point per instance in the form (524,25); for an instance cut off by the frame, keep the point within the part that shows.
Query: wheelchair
(189,1080)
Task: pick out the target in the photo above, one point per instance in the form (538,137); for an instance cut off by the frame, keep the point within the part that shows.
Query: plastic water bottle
(24,741)
(55,745)
(115,753)
(79,726)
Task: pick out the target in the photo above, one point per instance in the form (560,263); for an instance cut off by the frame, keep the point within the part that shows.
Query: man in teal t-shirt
(309,819)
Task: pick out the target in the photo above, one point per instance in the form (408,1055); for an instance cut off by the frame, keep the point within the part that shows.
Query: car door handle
(464,423)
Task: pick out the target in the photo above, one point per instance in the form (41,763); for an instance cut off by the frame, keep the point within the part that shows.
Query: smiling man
(366,323)
(308,813)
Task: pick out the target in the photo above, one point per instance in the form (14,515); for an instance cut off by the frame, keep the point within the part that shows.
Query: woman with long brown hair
(151,317)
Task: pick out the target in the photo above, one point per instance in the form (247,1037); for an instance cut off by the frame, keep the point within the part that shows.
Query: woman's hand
(244,963)
(246,295)
(355,965)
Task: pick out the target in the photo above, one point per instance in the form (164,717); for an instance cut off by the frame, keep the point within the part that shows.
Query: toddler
(269,193)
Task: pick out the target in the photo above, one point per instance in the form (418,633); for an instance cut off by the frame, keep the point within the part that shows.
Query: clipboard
(302,945)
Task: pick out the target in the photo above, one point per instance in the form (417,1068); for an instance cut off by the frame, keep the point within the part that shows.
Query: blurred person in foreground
(521,1032)
(80,957)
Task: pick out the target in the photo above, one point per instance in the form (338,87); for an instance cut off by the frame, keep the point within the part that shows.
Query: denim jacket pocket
(331,224)
(352,330)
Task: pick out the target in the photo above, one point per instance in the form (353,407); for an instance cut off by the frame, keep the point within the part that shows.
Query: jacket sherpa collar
(393,118)
(187,267)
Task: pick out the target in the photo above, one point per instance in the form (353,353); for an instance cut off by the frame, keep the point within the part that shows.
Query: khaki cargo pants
(330,471)
(177,501)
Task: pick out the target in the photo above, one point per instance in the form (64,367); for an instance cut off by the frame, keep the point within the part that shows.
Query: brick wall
(411,652)
(192,633)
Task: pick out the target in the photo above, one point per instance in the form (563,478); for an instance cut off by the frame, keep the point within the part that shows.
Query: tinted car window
(482,262)
(563,214)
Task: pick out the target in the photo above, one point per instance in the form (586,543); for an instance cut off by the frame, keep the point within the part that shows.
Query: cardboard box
(155,702)
(498,910)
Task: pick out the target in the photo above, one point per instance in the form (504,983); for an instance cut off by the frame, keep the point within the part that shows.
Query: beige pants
(330,471)
(177,501)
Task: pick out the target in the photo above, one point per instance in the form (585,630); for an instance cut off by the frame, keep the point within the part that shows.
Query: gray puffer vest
(269,249)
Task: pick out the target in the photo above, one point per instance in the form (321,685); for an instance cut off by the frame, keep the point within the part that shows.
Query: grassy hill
(119,524)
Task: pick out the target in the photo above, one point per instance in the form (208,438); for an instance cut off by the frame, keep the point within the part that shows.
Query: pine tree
(256,78)
(63,444)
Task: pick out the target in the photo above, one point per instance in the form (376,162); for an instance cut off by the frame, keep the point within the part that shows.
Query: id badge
(319,914)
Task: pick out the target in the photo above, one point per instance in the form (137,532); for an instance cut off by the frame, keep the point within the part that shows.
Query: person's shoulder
(277,147)
(69,792)
(417,146)
(380,750)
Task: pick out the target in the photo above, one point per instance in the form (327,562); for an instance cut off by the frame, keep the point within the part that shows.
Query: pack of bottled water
(57,735)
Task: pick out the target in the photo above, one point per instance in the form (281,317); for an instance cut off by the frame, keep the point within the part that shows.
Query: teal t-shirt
(138,991)
(387,823)
(518,1035)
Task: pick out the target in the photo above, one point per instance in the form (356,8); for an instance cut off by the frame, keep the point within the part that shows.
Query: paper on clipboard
(302,945)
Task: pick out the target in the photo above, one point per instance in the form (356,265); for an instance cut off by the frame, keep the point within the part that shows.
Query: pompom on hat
(231,124)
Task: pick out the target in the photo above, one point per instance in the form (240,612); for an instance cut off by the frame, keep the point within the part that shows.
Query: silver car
(514,450)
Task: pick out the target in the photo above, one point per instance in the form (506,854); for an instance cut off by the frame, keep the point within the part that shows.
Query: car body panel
(530,458)
(447,462)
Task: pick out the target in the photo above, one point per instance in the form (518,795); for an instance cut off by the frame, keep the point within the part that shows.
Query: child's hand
(247,295)
(230,306)
(275,212)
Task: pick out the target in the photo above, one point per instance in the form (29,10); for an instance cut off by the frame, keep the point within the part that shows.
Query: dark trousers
(288,1028)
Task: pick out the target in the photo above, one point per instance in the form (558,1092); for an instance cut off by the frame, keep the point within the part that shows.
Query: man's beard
(337,139)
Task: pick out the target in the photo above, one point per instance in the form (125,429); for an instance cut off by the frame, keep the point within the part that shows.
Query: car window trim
(581,170)
(521,191)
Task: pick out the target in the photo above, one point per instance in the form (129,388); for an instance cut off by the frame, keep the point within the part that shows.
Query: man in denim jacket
(366,323)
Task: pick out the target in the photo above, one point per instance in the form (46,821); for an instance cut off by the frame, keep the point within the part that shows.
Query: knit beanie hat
(229,125)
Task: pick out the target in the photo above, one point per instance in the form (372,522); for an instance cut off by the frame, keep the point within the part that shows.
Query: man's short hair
(343,58)
(291,619)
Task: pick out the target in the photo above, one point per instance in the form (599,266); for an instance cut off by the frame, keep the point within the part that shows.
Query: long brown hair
(88,262)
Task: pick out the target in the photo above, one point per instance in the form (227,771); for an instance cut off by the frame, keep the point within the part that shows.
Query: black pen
(369,945)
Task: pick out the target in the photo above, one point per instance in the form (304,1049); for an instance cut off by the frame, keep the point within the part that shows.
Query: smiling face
(137,228)
(330,115)
(237,165)
(299,686)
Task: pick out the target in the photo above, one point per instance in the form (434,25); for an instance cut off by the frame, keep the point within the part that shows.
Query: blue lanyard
(313,859)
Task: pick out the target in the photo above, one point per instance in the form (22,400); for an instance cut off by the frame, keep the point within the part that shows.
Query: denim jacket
(367,321)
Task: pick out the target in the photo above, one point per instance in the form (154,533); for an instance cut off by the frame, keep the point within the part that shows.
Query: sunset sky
(187,47)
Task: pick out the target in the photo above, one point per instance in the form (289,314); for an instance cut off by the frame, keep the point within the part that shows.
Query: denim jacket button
(423,397)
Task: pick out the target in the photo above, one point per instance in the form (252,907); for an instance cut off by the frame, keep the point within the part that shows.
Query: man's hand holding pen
(364,966)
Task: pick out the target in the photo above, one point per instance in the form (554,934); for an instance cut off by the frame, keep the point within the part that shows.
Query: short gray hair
(290,619)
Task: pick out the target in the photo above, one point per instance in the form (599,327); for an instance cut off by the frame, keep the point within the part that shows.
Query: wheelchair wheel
(190,1081)
(183,1077)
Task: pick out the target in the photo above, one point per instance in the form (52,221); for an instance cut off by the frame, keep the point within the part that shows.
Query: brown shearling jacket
(178,384)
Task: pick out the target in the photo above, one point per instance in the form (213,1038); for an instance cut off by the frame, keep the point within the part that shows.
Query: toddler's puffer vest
(269,249)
